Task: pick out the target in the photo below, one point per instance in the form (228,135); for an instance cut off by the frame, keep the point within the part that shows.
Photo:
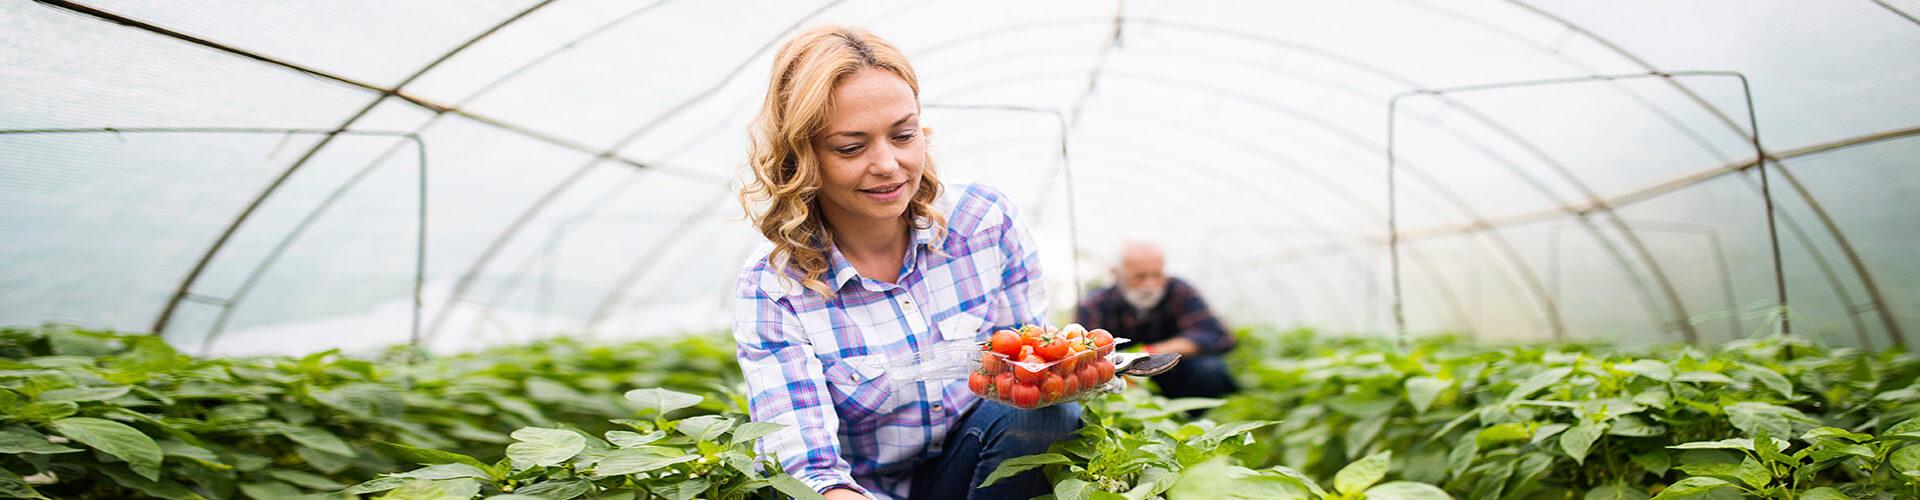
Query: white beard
(1142,300)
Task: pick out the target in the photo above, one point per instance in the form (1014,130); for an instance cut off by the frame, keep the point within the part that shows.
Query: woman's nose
(886,159)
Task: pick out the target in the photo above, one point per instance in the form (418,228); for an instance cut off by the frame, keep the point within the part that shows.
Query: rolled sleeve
(1198,324)
(786,384)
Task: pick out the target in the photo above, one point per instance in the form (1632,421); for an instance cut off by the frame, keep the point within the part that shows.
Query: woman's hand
(845,494)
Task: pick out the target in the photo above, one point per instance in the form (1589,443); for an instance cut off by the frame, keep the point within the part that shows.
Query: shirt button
(936,407)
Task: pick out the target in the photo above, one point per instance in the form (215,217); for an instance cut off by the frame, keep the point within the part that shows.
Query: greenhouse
(1491,249)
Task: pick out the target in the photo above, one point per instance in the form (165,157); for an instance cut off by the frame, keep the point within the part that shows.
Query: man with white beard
(1163,314)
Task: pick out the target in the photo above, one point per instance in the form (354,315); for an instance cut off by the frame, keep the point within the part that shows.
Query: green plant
(704,456)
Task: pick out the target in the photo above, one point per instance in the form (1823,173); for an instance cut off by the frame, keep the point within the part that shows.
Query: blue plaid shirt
(816,364)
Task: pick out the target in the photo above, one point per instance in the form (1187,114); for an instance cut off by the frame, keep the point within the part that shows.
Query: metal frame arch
(1547,304)
(539,205)
(1840,240)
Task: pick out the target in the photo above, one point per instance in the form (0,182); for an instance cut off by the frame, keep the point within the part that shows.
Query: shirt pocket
(858,385)
(966,325)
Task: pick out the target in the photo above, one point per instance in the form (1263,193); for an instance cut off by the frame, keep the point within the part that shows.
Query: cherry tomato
(1106,369)
(1051,347)
(1089,376)
(1005,342)
(1030,370)
(991,363)
(1074,386)
(1025,396)
(1102,340)
(1053,387)
(979,383)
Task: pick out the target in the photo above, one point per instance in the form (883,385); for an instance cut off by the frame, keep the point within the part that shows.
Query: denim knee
(1025,432)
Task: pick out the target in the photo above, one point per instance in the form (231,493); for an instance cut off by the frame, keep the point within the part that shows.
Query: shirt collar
(840,271)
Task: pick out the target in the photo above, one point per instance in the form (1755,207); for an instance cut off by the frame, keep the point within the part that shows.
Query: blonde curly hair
(781,198)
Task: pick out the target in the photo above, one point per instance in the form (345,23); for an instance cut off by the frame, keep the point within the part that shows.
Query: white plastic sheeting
(582,154)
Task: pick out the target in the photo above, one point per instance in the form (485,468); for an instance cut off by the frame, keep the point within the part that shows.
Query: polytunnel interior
(250,180)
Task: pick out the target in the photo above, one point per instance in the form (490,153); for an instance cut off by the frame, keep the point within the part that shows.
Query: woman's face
(872,151)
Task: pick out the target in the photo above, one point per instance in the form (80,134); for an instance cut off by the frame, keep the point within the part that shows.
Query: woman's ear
(926,131)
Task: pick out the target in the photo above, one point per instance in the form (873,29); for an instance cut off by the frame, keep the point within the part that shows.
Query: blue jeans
(990,433)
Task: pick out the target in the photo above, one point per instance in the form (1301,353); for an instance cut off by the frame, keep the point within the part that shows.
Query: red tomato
(1102,340)
(1074,386)
(1030,370)
(1051,347)
(1089,376)
(1106,369)
(1025,395)
(992,364)
(979,383)
(1003,385)
(1005,342)
(1053,387)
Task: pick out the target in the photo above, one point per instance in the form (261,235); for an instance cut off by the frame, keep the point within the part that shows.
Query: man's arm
(1200,331)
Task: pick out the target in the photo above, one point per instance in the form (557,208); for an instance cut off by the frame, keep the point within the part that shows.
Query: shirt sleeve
(786,384)
(1197,322)
(1026,291)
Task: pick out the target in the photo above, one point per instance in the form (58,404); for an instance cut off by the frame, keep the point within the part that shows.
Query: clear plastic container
(1024,383)
(1084,372)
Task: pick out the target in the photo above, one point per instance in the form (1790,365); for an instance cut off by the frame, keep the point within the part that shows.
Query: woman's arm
(786,385)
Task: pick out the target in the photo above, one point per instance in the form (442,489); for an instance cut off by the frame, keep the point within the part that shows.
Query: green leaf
(1753,473)
(377,485)
(21,439)
(790,486)
(448,471)
(1692,486)
(1648,368)
(1362,433)
(12,486)
(1422,391)
(750,431)
(684,489)
(705,427)
(1580,438)
(445,489)
(1617,491)
(1357,476)
(1754,417)
(1073,488)
(1510,431)
(1221,432)
(1771,379)
(557,490)
(1703,378)
(319,439)
(1727,444)
(1462,455)
(662,401)
(425,456)
(629,439)
(1823,493)
(1656,462)
(45,410)
(1834,433)
(264,489)
(306,479)
(81,394)
(1538,381)
(364,400)
(1634,426)
(637,460)
(538,446)
(117,439)
(1407,490)
(1014,466)
(1905,459)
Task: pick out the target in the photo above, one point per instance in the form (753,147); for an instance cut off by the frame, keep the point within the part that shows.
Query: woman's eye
(904,137)
(848,150)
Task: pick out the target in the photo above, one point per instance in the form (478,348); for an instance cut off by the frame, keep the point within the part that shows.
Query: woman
(873,260)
